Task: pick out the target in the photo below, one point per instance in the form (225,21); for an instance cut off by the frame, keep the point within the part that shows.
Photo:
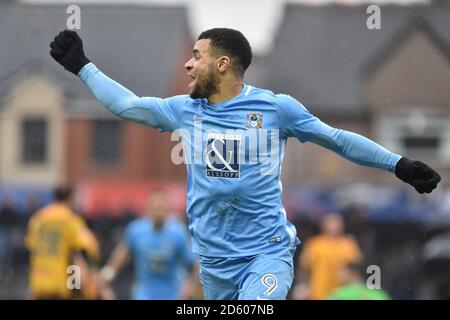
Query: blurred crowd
(336,260)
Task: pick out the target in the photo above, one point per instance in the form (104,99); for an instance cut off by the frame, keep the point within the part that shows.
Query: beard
(204,88)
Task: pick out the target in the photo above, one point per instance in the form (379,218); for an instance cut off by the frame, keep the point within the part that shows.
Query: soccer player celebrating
(236,218)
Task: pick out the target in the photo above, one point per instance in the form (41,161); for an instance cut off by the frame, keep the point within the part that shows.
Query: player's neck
(333,236)
(62,203)
(158,224)
(227,90)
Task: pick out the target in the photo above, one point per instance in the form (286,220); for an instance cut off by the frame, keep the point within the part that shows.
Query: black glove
(417,174)
(67,50)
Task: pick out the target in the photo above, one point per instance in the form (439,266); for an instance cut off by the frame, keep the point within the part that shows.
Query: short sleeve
(354,253)
(84,240)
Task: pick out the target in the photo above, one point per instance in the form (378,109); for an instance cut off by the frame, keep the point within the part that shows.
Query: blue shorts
(259,277)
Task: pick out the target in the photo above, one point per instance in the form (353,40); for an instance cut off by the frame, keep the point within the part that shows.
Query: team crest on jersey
(222,156)
(254,120)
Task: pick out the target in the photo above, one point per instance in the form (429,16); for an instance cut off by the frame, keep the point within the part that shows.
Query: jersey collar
(226,102)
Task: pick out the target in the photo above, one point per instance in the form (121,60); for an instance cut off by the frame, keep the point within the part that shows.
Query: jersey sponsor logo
(254,120)
(222,156)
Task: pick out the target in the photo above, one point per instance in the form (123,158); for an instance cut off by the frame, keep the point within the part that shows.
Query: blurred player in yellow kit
(58,238)
(322,259)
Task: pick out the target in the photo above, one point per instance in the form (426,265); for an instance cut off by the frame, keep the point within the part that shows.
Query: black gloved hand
(67,50)
(417,174)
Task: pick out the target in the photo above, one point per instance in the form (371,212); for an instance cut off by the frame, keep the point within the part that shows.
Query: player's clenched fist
(67,50)
(417,174)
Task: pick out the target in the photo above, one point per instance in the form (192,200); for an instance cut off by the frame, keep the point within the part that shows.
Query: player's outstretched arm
(298,122)
(67,50)
(366,152)
(118,259)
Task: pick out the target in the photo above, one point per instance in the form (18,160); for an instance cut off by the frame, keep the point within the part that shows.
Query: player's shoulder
(136,225)
(280,100)
(284,97)
(257,93)
(182,103)
(175,224)
(52,211)
(287,102)
(182,100)
(254,91)
(317,240)
(38,215)
(349,240)
(176,228)
(77,220)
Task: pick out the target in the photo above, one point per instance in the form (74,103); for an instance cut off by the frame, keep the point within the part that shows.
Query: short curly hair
(233,43)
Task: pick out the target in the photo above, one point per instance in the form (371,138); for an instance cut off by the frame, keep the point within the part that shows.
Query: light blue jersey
(161,258)
(234,152)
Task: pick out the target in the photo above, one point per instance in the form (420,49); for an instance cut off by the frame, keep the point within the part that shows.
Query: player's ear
(223,63)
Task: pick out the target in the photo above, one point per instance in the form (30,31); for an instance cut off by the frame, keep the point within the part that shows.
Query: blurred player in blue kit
(237,221)
(160,248)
